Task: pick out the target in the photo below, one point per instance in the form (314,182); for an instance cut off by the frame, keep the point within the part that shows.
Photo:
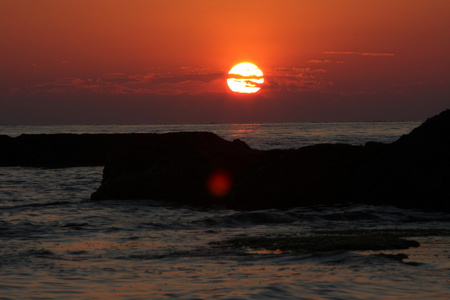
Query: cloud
(319,61)
(377,54)
(295,94)
(192,81)
(359,53)
(116,78)
(187,81)
(294,79)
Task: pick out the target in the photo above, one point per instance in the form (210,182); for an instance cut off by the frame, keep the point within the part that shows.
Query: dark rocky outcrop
(411,172)
(177,166)
(74,150)
(61,150)
(323,243)
(334,240)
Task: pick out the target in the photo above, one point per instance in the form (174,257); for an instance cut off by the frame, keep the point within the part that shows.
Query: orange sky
(121,61)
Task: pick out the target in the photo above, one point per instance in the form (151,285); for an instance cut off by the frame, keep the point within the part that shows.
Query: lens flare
(219,183)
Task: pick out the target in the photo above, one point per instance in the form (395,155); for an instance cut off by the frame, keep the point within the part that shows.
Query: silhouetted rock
(177,167)
(64,150)
(432,133)
(412,172)
(200,168)
(416,170)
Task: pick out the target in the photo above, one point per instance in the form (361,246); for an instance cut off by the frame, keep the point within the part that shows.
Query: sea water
(55,243)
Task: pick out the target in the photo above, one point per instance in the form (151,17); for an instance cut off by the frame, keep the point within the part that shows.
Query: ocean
(57,244)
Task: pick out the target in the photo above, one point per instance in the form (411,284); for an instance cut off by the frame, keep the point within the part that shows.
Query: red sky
(127,62)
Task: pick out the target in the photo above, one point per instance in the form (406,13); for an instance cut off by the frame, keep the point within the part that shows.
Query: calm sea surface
(56,244)
(258,136)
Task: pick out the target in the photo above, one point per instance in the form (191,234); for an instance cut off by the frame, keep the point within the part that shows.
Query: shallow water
(56,244)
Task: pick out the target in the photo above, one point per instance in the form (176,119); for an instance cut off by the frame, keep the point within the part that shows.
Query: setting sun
(245,78)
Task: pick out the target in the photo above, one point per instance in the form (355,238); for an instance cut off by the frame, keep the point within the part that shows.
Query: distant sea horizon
(258,135)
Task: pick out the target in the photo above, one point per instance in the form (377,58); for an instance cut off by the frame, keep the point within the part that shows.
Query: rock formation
(200,168)
(411,172)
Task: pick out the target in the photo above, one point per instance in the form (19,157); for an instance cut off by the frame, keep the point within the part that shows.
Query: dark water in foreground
(55,244)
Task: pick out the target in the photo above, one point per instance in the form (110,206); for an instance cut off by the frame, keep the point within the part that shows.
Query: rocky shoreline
(200,168)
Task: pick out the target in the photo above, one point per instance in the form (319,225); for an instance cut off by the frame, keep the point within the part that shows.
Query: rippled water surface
(56,244)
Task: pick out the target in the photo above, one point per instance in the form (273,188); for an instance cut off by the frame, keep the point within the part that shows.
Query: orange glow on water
(219,183)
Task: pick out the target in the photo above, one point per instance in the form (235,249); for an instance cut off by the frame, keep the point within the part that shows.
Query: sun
(245,78)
